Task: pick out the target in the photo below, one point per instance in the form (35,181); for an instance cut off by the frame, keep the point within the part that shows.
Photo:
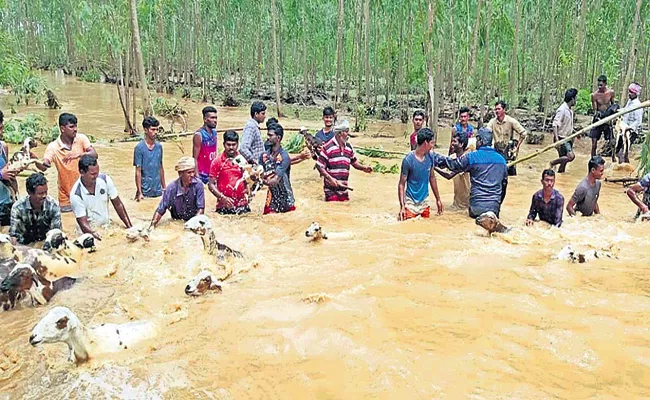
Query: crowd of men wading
(476,162)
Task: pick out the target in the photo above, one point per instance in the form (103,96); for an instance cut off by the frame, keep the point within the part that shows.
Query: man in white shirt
(89,197)
(633,119)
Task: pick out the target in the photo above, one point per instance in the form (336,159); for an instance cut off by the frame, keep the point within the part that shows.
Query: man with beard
(204,142)
(224,178)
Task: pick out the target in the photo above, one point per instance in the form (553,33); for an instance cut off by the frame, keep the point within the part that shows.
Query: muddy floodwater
(382,309)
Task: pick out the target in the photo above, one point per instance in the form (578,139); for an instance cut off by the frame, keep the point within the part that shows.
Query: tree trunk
(429,56)
(473,54)
(366,21)
(164,66)
(358,41)
(135,29)
(68,37)
(123,95)
(513,58)
(127,82)
(339,54)
(276,69)
(631,60)
(486,57)
(579,47)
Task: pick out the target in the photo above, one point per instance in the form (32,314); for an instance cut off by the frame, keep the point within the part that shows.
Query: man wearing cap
(184,197)
(488,173)
(89,198)
(334,164)
(633,119)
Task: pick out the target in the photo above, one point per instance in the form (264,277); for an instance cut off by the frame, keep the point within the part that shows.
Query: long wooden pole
(645,104)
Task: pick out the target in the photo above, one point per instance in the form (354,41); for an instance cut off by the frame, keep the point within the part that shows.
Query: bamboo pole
(645,104)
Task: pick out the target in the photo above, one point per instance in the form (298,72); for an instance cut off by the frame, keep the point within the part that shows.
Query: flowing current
(382,309)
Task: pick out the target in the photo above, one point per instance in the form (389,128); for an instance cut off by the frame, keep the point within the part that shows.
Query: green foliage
(163,107)
(583,102)
(644,164)
(32,125)
(383,169)
(92,75)
(27,85)
(295,144)
(376,152)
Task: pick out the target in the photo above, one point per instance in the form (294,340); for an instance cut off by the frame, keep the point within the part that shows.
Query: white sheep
(62,325)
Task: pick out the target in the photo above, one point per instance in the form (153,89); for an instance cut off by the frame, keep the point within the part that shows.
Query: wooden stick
(580,132)
(165,136)
(625,180)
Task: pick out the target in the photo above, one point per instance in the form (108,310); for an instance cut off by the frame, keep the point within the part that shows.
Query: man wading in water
(417,172)
(204,143)
(503,128)
(585,197)
(601,100)
(563,127)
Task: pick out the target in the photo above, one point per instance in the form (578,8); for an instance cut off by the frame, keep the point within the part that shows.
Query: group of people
(476,162)
(480,172)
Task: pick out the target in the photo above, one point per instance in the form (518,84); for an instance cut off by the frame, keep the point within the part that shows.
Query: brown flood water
(419,309)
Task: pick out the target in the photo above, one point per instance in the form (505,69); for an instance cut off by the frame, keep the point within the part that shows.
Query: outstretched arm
(121,211)
(632,194)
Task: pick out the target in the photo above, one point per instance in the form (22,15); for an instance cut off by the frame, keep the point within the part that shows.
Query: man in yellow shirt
(504,128)
(63,153)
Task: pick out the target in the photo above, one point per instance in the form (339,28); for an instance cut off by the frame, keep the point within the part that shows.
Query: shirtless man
(601,99)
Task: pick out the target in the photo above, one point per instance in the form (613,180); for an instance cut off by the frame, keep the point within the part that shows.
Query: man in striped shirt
(334,164)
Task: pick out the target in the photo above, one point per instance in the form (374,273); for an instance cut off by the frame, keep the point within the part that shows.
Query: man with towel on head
(334,164)
(184,197)
(633,119)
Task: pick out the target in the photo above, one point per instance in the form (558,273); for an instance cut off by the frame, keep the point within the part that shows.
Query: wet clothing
(150,162)
(550,212)
(280,197)
(325,137)
(586,197)
(605,129)
(488,176)
(336,161)
(182,204)
(634,118)
(94,206)
(207,153)
(462,187)
(417,176)
(251,145)
(413,210)
(28,225)
(68,173)
(226,174)
(7,196)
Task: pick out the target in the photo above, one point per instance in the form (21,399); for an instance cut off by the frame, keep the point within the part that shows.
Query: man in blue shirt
(417,173)
(488,174)
(147,160)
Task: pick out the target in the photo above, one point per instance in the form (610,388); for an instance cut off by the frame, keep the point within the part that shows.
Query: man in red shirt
(224,174)
(418,123)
